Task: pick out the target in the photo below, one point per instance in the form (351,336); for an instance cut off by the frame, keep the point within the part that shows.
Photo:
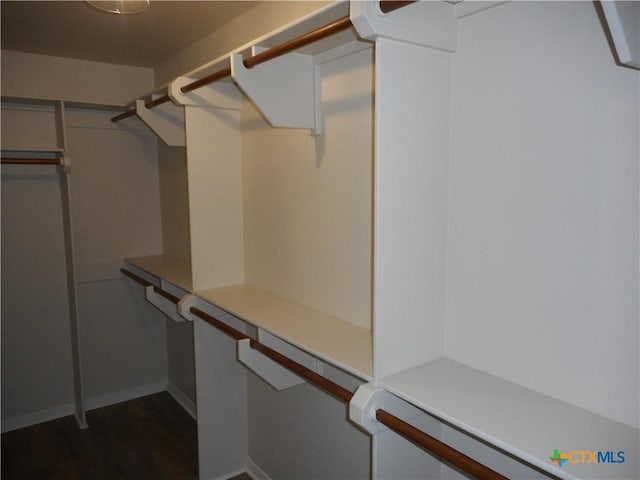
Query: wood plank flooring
(147,438)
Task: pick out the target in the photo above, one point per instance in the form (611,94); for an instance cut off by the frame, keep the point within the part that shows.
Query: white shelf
(518,420)
(338,342)
(165,267)
(43,101)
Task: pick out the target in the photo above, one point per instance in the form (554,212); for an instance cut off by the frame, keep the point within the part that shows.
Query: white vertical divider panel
(214,177)
(413,90)
(72,294)
(413,78)
(221,404)
(61,132)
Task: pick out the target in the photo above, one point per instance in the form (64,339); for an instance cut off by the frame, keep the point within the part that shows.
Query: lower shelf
(165,267)
(522,422)
(338,342)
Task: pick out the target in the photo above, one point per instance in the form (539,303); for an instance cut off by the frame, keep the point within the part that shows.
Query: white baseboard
(90,404)
(112,398)
(182,399)
(226,476)
(255,472)
(252,469)
(37,417)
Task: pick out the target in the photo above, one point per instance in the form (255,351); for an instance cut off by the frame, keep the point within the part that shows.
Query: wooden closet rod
(324,383)
(167,295)
(135,278)
(30,161)
(144,283)
(411,433)
(273,52)
(439,449)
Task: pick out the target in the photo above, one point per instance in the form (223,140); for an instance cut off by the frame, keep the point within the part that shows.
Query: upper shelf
(340,343)
(168,268)
(51,102)
(520,421)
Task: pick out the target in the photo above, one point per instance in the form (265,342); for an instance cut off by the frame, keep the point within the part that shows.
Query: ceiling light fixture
(120,7)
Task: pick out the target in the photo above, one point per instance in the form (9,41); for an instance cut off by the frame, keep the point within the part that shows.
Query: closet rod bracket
(162,303)
(215,95)
(185,304)
(427,24)
(368,399)
(279,377)
(65,164)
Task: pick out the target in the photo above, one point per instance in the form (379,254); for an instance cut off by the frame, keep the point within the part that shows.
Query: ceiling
(76,29)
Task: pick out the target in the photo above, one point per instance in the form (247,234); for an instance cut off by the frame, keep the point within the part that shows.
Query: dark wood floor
(146,438)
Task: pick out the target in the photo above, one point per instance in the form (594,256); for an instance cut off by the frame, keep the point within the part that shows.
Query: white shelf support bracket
(368,399)
(164,305)
(428,24)
(188,301)
(271,372)
(289,351)
(166,121)
(65,164)
(284,89)
(185,304)
(216,95)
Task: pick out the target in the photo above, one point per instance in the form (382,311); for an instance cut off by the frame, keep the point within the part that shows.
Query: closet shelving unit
(173,273)
(18,154)
(403,355)
(49,115)
(334,340)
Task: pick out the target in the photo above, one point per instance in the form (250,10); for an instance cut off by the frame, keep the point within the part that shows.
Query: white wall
(36,347)
(174,201)
(175,243)
(543,227)
(308,200)
(115,205)
(32,75)
(307,228)
(303,433)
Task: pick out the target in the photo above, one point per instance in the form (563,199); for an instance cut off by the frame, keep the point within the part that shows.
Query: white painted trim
(183,399)
(68,409)
(38,417)
(81,420)
(125,395)
(226,476)
(255,472)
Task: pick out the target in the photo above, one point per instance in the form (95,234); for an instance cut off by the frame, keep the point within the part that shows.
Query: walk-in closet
(337,240)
